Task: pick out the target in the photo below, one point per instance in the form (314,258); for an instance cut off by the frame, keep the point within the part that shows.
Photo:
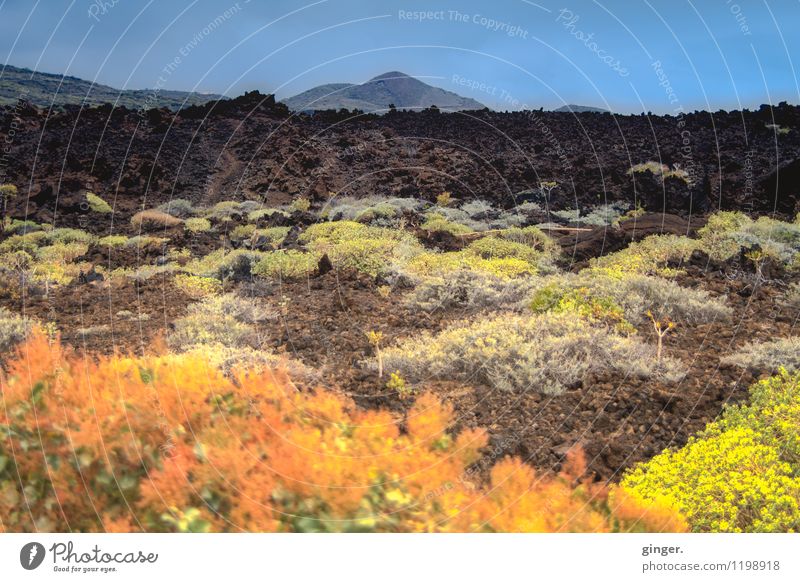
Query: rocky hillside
(46,90)
(254,148)
(376,95)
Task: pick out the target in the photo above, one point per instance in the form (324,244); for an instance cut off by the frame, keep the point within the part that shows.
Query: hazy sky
(657,55)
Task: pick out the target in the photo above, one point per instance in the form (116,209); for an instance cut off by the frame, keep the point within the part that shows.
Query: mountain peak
(391,75)
(391,88)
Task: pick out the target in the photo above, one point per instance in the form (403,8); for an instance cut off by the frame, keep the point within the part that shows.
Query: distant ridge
(46,89)
(377,94)
(579,109)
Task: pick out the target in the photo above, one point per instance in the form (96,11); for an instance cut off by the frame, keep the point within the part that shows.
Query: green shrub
(649,256)
(97,204)
(742,474)
(546,353)
(290,264)
(369,249)
(273,236)
(226,264)
(243,231)
(197,224)
(442,264)
(437,223)
(113,241)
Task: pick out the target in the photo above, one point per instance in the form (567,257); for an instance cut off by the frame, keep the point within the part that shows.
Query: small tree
(7,192)
(546,188)
(663,327)
(375,338)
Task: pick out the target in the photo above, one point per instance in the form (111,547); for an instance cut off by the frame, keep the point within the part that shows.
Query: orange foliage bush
(167,443)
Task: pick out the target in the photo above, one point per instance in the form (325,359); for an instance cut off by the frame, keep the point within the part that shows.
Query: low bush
(661,170)
(152,219)
(197,224)
(435,222)
(369,249)
(468,289)
(225,264)
(650,256)
(443,264)
(169,443)
(113,241)
(636,295)
(742,474)
(289,264)
(546,353)
(177,207)
(198,287)
(13,330)
(97,204)
(273,236)
(227,320)
(768,356)
(728,233)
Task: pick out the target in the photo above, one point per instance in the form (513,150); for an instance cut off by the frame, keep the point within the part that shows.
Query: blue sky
(630,56)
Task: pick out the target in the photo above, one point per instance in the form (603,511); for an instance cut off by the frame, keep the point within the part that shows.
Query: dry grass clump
(547,353)
(768,356)
(151,219)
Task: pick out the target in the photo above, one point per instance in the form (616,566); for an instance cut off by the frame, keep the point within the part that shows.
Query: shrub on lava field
(242,232)
(466,289)
(369,249)
(197,224)
(661,170)
(583,302)
(258,214)
(272,236)
(636,295)
(198,287)
(728,233)
(28,242)
(437,223)
(547,353)
(113,241)
(531,236)
(226,264)
(13,329)
(169,443)
(68,235)
(741,473)
(371,209)
(496,248)
(15,226)
(147,219)
(650,256)
(97,204)
(143,242)
(444,264)
(288,264)
(792,297)
(227,320)
(177,207)
(768,356)
(603,215)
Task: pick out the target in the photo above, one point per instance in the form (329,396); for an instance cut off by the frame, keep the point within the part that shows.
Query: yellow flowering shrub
(168,443)
(742,474)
